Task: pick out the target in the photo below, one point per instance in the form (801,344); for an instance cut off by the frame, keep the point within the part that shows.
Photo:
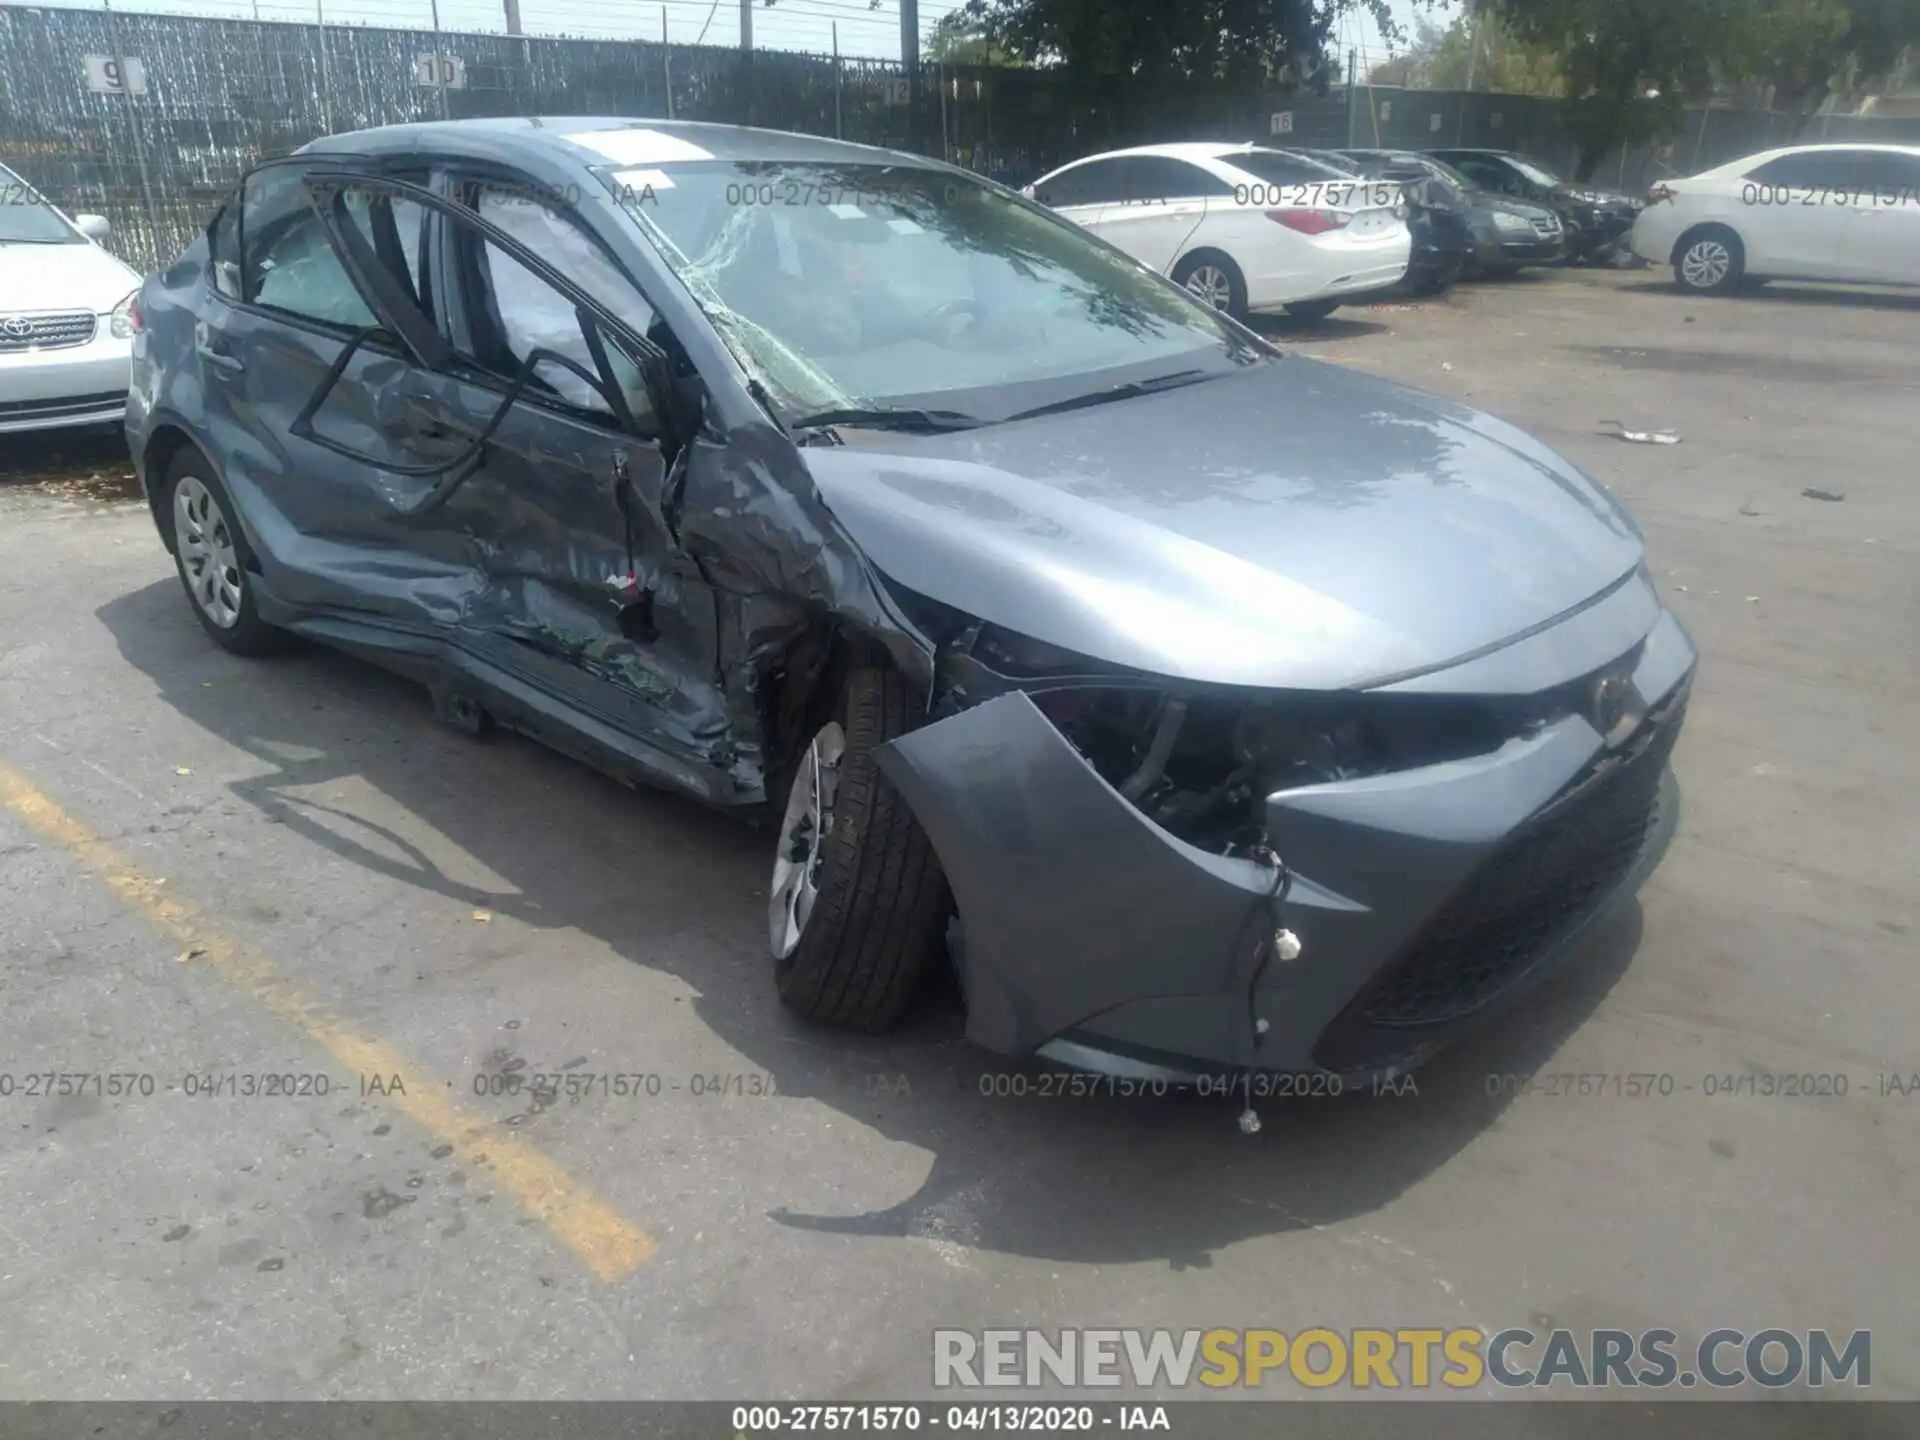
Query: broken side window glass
(392,227)
(287,262)
(223,249)
(519,313)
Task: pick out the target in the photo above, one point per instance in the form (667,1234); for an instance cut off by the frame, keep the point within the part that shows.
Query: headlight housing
(1507,220)
(125,319)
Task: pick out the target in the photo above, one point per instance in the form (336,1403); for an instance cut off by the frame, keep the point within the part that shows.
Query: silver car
(66,331)
(1207,707)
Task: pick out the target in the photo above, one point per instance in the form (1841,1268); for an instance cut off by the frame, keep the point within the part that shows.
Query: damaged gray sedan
(1210,707)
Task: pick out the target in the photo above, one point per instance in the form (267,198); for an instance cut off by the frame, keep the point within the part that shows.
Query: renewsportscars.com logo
(1368,1359)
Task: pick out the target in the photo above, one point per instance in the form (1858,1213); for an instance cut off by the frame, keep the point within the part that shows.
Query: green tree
(1156,45)
(1796,52)
(961,39)
(1475,52)
(1630,65)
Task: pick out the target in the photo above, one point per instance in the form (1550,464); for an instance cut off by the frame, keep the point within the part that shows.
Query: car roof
(1189,150)
(605,139)
(1762,157)
(1824,147)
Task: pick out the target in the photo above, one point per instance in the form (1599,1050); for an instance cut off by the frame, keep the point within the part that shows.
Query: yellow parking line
(609,1245)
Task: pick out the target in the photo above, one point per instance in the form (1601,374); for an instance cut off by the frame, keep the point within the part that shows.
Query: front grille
(1547,227)
(1540,885)
(46,332)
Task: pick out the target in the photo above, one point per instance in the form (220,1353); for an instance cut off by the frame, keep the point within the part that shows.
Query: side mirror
(94,227)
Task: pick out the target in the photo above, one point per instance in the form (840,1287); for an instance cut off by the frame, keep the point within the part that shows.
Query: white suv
(1240,226)
(66,316)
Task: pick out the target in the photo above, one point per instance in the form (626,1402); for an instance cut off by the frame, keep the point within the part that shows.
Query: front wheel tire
(1214,280)
(858,902)
(1710,262)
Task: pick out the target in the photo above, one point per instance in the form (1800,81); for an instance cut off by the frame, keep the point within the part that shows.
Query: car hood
(1598,196)
(1525,209)
(1293,525)
(62,277)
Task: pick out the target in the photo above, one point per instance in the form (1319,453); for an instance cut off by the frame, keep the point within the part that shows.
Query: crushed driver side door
(548,415)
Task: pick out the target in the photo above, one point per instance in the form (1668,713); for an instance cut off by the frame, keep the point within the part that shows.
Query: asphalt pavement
(324,942)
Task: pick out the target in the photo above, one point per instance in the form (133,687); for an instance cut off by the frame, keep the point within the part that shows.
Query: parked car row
(1244,227)
(1253,228)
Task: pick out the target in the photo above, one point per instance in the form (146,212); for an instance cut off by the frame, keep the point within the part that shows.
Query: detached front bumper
(1422,899)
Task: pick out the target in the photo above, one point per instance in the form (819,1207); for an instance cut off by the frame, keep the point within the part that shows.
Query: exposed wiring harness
(1278,941)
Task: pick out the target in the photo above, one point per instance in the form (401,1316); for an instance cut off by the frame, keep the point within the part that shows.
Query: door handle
(219,361)
(203,346)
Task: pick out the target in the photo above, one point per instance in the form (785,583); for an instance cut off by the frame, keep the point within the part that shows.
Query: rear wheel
(1313,311)
(858,902)
(1710,261)
(1213,279)
(212,556)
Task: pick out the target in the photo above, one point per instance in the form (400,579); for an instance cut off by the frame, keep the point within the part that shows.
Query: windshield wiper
(885,417)
(1128,391)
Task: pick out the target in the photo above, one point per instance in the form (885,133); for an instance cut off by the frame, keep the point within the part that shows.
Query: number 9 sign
(116,75)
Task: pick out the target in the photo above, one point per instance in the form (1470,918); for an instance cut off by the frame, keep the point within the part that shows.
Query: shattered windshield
(869,285)
(1535,171)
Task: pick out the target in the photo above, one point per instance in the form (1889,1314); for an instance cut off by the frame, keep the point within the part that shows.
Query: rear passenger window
(1160,177)
(1097,182)
(1280,169)
(392,226)
(286,261)
(1810,168)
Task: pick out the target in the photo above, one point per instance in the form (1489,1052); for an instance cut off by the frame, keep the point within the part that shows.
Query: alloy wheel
(1706,264)
(1209,283)
(209,559)
(804,832)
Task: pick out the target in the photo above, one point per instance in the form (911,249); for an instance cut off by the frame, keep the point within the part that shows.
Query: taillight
(133,314)
(1312,222)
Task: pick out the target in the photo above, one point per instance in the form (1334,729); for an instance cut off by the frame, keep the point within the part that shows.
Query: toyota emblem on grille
(17,326)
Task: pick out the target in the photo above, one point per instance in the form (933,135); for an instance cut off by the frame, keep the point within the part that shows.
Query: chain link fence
(151,119)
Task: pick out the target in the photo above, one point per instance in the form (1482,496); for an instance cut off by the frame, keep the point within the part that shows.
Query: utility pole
(746,24)
(666,60)
(133,129)
(1473,60)
(513,17)
(440,66)
(1353,89)
(910,62)
(320,33)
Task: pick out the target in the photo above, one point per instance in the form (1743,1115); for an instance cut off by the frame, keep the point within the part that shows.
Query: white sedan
(1240,226)
(66,324)
(1811,212)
